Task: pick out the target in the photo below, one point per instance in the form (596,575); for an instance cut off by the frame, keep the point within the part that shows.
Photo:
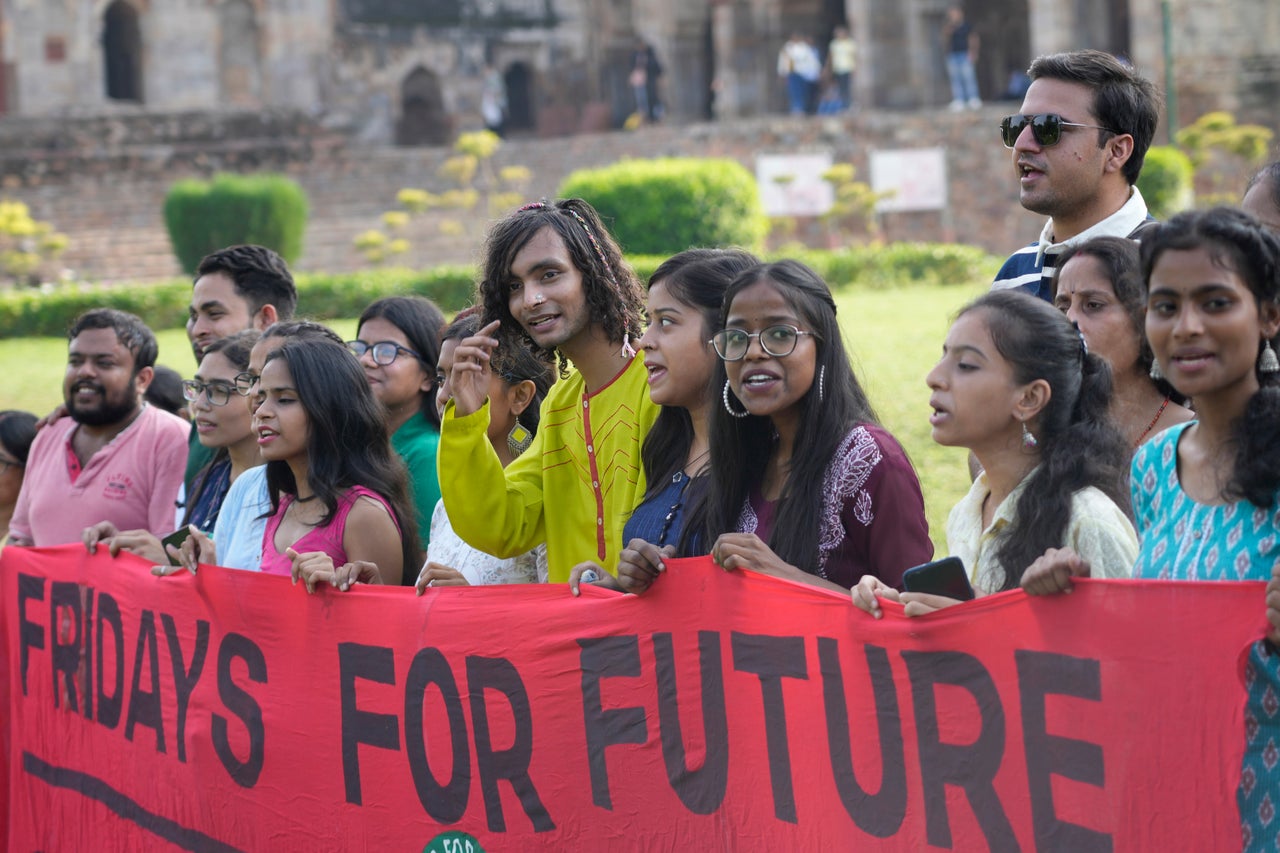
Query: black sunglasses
(1045,127)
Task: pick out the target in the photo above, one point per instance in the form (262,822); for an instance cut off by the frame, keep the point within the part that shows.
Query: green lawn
(894,336)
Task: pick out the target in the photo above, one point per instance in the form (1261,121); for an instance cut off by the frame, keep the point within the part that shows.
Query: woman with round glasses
(804,482)
(398,344)
(17,431)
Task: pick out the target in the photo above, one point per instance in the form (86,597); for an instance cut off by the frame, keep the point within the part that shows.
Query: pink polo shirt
(132,482)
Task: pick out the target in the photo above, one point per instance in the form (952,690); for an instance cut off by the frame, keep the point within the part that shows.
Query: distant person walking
(961,44)
(799,65)
(645,71)
(842,59)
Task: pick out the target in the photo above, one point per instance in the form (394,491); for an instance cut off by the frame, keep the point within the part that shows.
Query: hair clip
(1084,345)
(533,205)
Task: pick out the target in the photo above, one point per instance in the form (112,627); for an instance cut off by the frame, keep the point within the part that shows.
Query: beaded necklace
(1152,425)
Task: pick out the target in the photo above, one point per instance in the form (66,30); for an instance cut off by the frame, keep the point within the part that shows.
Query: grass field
(894,337)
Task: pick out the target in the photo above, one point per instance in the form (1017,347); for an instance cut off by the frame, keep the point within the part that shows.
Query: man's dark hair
(259,275)
(1123,100)
(130,331)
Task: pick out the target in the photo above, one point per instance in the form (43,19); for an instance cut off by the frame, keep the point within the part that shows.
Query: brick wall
(103,181)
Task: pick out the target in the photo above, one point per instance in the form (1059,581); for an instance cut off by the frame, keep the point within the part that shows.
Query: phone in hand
(176,538)
(941,577)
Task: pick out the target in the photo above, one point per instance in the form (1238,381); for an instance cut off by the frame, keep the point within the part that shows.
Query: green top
(416,443)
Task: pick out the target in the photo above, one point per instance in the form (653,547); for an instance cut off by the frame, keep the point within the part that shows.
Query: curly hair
(613,293)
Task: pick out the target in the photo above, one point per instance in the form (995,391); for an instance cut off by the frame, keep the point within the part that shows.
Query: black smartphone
(176,538)
(941,577)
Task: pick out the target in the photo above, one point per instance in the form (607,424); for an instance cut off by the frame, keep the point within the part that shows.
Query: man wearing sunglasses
(1078,143)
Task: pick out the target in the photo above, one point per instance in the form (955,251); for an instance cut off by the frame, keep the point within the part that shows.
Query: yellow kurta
(573,488)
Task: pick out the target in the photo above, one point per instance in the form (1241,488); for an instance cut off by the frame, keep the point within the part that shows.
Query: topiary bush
(1166,181)
(660,207)
(203,216)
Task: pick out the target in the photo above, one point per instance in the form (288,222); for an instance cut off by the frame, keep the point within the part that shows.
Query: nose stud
(538,299)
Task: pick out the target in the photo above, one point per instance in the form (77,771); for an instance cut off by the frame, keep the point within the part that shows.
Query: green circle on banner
(453,842)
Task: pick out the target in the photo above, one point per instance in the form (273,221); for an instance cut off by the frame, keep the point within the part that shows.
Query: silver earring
(1268,363)
(1028,440)
(728,407)
(822,389)
(519,438)
(1156,374)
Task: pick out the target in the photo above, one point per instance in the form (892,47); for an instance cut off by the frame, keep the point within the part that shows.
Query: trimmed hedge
(30,313)
(1167,181)
(660,207)
(204,216)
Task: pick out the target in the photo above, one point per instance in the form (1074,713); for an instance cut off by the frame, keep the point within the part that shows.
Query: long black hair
(1240,243)
(347,443)
(741,447)
(612,289)
(1079,445)
(698,278)
(421,322)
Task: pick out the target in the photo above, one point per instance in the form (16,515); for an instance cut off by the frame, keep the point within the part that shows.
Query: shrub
(164,306)
(203,216)
(1166,181)
(661,207)
(326,297)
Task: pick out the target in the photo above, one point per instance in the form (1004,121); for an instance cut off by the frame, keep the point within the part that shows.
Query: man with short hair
(235,289)
(1078,144)
(115,458)
(553,276)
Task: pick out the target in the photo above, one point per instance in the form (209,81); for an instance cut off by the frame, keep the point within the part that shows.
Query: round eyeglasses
(217,392)
(384,352)
(777,341)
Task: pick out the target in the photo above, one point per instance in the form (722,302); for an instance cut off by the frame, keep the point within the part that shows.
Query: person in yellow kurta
(552,274)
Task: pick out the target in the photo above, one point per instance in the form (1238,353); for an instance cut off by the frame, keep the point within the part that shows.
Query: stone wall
(105,185)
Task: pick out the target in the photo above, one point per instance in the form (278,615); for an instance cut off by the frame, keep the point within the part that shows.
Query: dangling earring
(1028,440)
(519,438)
(727,406)
(1157,375)
(1268,363)
(822,389)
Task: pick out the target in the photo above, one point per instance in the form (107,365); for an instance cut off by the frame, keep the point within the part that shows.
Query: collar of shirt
(1119,224)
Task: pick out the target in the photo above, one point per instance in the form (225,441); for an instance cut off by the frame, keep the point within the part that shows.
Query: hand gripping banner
(232,711)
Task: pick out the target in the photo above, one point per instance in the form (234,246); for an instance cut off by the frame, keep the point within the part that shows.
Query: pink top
(132,482)
(327,538)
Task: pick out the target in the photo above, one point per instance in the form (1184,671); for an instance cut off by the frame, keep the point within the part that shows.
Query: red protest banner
(231,711)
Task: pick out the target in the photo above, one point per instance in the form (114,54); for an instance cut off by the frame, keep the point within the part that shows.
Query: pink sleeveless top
(327,538)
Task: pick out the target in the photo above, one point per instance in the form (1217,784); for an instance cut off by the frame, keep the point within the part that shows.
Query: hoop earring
(1028,440)
(822,386)
(727,406)
(519,438)
(1268,363)
(1156,374)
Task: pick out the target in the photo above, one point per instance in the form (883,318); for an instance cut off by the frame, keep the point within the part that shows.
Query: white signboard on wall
(914,178)
(792,184)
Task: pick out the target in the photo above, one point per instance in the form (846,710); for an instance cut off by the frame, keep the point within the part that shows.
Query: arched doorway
(122,52)
(521,114)
(239,74)
(423,120)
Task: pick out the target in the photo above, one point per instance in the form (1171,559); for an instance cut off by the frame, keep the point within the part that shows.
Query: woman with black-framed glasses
(804,484)
(17,431)
(398,344)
